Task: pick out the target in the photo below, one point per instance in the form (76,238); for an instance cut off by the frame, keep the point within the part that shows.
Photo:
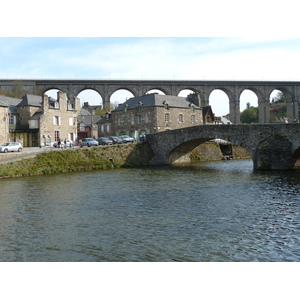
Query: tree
(279,98)
(249,115)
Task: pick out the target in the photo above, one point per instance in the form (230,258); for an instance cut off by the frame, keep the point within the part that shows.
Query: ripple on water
(222,211)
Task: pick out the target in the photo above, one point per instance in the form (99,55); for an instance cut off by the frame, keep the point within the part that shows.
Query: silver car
(126,139)
(11,147)
(88,142)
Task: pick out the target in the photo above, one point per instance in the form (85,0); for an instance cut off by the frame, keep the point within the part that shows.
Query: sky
(196,40)
(171,58)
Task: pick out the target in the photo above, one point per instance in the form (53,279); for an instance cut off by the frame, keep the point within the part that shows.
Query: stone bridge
(271,146)
(233,89)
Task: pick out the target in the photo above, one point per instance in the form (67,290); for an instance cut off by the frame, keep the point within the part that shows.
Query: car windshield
(5,144)
(89,139)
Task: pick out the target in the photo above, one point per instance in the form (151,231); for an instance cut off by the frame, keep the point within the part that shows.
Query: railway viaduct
(233,89)
(271,146)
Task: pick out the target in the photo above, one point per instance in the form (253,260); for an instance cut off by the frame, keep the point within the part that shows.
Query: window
(146,118)
(193,120)
(132,119)
(70,105)
(102,128)
(82,127)
(56,135)
(139,106)
(139,119)
(180,118)
(56,104)
(107,128)
(70,121)
(33,123)
(166,105)
(167,117)
(56,120)
(12,120)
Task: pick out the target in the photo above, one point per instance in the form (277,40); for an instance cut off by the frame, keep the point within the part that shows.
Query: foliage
(278,111)
(250,115)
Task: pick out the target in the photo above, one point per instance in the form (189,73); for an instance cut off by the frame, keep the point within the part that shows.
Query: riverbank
(95,158)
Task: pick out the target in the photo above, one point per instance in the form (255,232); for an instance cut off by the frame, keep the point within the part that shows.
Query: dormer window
(125,108)
(139,106)
(192,107)
(166,105)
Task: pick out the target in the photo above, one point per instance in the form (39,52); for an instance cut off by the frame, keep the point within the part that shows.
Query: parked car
(68,144)
(104,141)
(88,142)
(116,139)
(11,147)
(127,139)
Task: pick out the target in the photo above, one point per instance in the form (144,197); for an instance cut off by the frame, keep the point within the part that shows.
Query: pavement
(27,153)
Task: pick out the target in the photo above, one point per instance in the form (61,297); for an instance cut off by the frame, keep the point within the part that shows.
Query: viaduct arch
(233,89)
(271,146)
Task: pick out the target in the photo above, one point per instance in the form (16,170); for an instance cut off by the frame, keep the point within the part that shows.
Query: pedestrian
(65,142)
(58,143)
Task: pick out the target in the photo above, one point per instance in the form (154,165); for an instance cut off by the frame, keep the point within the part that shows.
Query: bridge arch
(296,158)
(291,101)
(181,153)
(90,95)
(271,146)
(120,96)
(248,96)
(275,151)
(154,89)
(52,91)
(120,88)
(186,91)
(219,100)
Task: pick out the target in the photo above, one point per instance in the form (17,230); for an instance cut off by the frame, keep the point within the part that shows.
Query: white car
(126,139)
(11,147)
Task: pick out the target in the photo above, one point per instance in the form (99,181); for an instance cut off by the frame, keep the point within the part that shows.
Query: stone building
(37,120)
(87,124)
(152,113)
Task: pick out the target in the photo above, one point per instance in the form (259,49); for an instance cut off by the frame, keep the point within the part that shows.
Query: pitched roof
(31,100)
(88,119)
(155,100)
(8,101)
(36,115)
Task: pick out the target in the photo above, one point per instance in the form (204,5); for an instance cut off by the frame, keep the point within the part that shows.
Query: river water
(214,211)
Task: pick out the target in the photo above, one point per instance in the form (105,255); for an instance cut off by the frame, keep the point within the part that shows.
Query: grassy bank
(95,158)
(99,158)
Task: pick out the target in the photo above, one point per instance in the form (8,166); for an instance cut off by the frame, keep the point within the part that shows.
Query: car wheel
(5,151)
(20,149)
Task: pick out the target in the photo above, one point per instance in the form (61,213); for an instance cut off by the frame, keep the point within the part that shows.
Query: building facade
(38,120)
(151,113)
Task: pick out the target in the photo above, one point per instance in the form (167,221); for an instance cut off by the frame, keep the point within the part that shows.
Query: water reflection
(220,211)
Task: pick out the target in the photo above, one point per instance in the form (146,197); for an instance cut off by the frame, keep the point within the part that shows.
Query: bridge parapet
(271,146)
